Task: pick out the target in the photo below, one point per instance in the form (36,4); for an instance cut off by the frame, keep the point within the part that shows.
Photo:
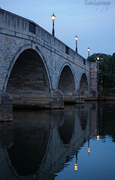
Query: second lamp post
(53,19)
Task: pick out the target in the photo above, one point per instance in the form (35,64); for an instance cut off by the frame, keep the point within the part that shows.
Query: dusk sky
(93,21)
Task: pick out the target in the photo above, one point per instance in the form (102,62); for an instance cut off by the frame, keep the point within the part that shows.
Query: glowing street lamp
(53,19)
(97,58)
(98,83)
(76,38)
(88,51)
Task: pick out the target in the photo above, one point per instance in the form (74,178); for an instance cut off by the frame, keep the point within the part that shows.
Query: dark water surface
(77,143)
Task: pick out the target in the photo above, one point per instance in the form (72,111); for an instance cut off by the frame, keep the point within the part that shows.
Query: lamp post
(88,51)
(76,38)
(98,58)
(53,19)
(98,84)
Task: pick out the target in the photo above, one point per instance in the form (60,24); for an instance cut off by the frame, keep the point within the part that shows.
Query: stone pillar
(6,104)
(94,79)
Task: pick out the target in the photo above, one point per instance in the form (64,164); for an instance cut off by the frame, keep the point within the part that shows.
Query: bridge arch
(66,82)
(28,75)
(83,86)
(16,56)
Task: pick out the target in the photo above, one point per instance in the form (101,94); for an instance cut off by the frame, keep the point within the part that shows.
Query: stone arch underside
(28,81)
(67,85)
(83,88)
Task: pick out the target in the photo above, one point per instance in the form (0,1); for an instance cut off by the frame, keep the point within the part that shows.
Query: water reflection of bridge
(39,144)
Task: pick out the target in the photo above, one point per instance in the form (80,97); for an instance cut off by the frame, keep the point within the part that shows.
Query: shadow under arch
(83,87)
(66,83)
(28,75)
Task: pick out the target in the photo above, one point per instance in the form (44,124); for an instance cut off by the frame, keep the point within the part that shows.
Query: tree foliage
(106,70)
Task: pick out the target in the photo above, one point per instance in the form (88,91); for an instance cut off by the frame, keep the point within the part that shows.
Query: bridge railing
(11,22)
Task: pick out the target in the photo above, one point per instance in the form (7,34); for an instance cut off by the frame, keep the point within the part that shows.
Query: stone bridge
(39,70)
(40,147)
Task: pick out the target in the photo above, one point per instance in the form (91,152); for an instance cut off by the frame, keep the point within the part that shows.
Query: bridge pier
(73,98)
(57,99)
(6,104)
(53,100)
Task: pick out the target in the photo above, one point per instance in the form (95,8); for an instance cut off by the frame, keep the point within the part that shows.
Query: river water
(77,142)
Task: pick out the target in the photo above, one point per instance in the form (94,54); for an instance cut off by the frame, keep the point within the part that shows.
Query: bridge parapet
(15,25)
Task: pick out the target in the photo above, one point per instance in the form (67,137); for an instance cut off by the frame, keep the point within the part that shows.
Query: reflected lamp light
(98,137)
(76,167)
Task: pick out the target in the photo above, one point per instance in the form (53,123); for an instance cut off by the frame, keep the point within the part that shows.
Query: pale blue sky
(93,24)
